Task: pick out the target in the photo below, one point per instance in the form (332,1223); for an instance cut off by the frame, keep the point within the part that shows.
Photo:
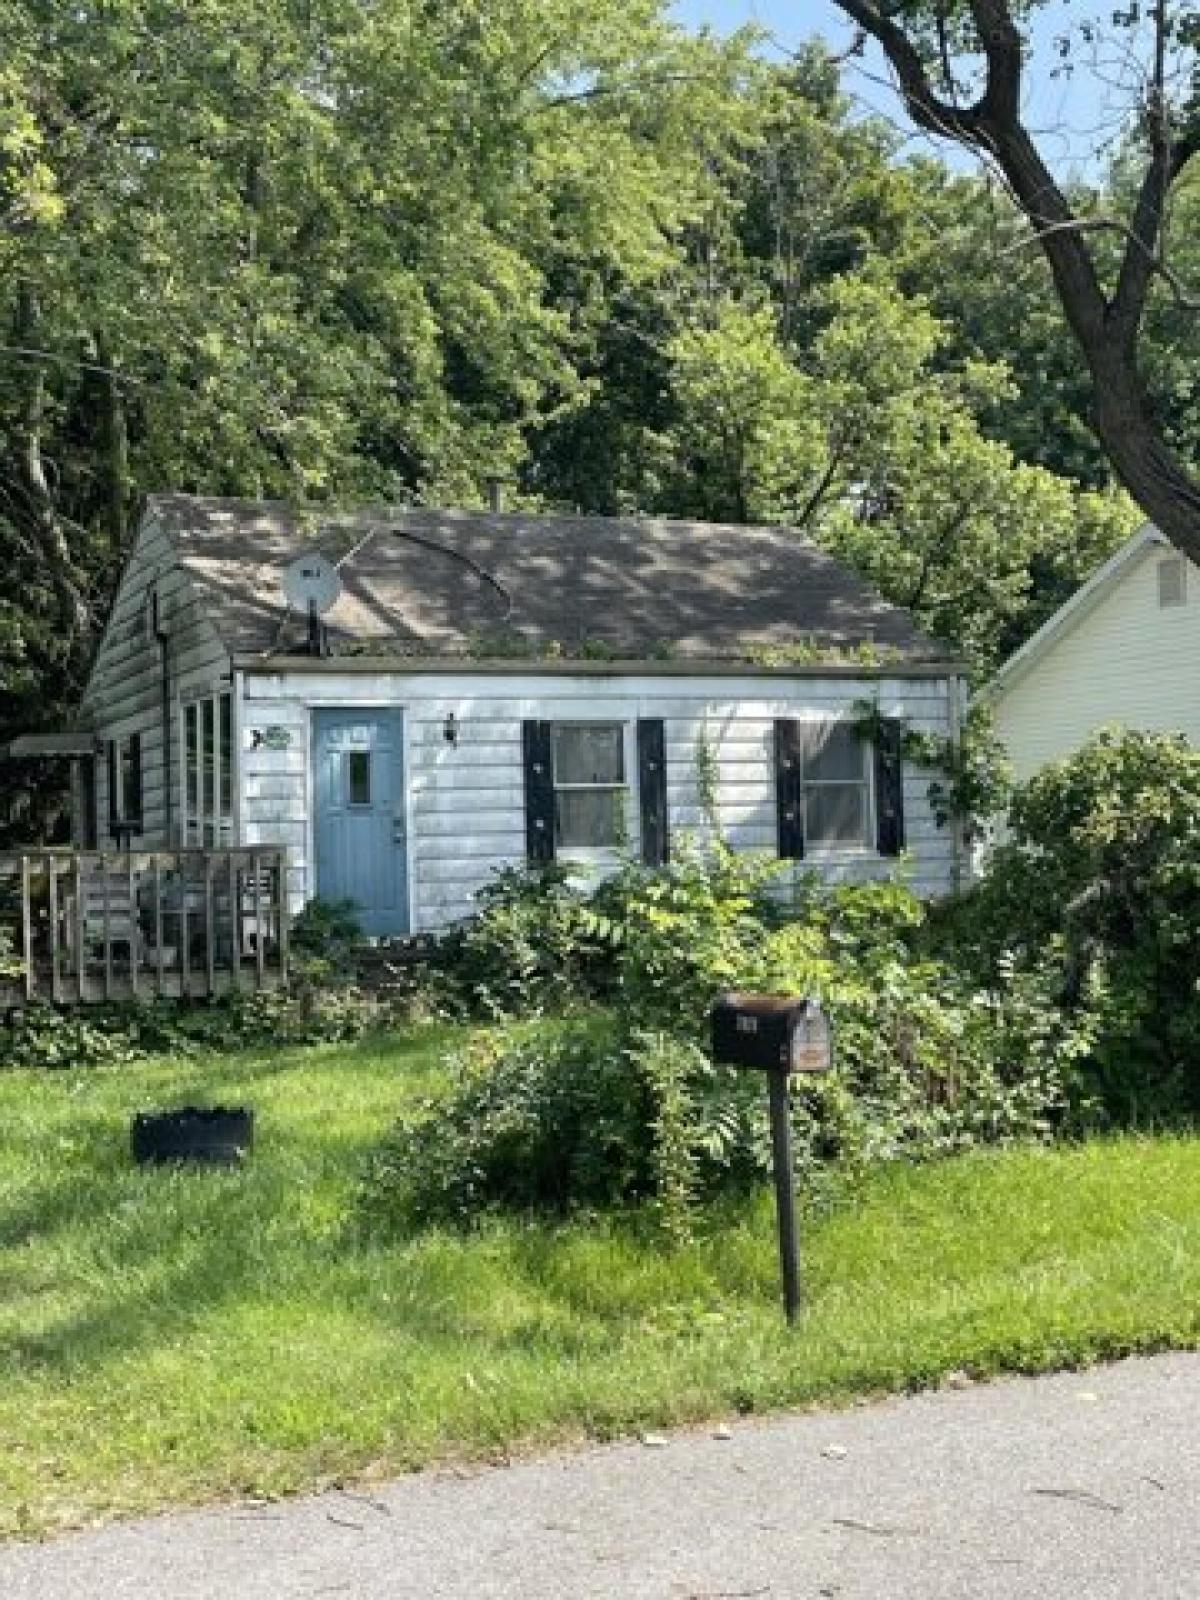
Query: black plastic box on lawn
(213,1136)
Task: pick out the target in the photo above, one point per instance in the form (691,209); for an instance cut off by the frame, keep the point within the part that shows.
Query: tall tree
(961,68)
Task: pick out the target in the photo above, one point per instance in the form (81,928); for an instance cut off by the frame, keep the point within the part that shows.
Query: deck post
(210,953)
(80,927)
(158,921)
(235,930)
(260,954)
(55,961)
(185,955)
(133,929)
(105,889)
(27,927)
(281,879)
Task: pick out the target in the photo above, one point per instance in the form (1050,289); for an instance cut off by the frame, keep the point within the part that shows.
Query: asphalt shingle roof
(434,583)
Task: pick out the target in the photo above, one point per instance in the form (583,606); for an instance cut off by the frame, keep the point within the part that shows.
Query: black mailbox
(775,1033)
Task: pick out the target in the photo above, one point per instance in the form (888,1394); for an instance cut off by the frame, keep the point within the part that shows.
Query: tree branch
(1184,298)
(927,109)
(1141,249)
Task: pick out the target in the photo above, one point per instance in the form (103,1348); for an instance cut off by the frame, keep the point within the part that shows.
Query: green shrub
(43,1036)
(535,945)
(325,941)
(628,1107)
(1097,891)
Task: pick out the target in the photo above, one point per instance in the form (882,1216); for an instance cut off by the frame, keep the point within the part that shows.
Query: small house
(407,700)
(1123,651)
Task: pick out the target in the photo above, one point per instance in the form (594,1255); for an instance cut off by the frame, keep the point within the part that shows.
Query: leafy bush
(629,1107)
(325,940)
(44,1036)
(536,945)
(1098,892)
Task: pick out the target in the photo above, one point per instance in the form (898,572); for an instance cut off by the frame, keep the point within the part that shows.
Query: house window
(836,786)
(589,785)
(125,785)
(206,746)
(1172,582)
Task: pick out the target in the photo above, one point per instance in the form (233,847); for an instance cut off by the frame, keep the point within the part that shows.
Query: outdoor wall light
(450,728)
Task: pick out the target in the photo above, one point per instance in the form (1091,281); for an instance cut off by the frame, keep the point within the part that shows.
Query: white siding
(124,691)
(466,800)
(1125,661)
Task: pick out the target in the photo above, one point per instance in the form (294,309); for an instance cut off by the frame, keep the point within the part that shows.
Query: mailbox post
(778,1035)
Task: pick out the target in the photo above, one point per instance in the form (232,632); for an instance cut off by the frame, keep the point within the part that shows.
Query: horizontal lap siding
(466,799)
(275,783)
(124,691)
(1125,661)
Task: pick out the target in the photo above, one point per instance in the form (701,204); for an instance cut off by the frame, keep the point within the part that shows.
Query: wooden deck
(89,926)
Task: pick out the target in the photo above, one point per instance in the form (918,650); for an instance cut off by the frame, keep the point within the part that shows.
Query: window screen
(837,808)
(589,784)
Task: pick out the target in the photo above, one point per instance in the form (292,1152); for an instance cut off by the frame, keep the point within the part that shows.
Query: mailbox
(774,1033)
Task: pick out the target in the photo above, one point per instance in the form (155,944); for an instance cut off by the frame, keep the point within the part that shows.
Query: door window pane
(358,777)
(586,753)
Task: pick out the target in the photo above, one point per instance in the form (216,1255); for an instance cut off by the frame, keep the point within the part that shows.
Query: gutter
(408,666)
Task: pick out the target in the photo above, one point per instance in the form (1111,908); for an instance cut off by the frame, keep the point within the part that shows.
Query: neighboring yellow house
(1124,651)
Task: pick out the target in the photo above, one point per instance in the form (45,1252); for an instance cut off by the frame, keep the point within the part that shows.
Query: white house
(495,688)
(1124,651)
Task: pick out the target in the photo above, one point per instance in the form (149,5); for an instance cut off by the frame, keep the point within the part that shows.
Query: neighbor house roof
(1072,611)
(454,584)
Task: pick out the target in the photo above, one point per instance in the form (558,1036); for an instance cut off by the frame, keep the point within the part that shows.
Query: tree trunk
(1106,327)
(116,453)
(1133,442)
(41,515)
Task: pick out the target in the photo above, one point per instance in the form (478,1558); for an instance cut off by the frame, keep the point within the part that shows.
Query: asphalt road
(1083,1486)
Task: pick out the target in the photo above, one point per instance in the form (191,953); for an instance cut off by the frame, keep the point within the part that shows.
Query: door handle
(399,831)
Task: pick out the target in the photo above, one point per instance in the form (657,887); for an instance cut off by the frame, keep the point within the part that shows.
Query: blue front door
(360,823)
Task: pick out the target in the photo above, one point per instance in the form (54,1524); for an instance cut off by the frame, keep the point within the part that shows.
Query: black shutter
(538,751)
(88,819)
(789,788)
(652,789)
(133,800)
(889,786)
(114,778)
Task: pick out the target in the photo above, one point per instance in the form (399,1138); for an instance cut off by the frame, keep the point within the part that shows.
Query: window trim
(626,787)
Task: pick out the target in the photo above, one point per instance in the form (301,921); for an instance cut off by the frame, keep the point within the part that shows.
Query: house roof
(1072,611)
(453,584)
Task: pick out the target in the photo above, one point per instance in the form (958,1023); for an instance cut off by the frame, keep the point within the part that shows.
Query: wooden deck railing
(86,926)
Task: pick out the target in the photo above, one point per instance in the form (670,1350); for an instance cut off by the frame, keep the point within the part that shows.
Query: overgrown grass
(169,1337)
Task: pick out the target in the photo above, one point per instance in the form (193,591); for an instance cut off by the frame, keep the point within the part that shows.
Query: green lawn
(169,1337)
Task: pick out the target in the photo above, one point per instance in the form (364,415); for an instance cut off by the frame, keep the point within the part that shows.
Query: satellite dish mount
(311,586)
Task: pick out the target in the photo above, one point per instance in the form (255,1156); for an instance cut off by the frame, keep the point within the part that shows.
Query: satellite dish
(311,584)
